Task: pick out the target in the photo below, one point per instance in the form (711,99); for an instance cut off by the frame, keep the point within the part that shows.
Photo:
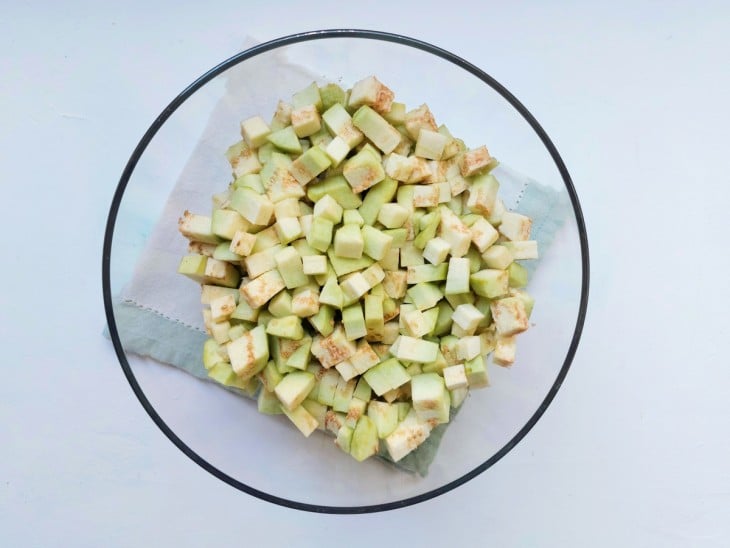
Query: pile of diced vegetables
(360,271)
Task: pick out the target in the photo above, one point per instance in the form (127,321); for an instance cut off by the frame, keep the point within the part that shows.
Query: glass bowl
(223,432)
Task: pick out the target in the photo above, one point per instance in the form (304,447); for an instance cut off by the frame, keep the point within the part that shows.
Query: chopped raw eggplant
(360,272)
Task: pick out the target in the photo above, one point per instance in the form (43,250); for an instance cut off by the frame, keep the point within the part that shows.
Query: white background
(635,449)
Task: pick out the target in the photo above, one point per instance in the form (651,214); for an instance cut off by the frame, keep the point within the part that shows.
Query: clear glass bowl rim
(305,37)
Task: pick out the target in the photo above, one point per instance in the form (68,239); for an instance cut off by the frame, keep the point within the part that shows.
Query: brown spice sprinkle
(288,347)
(388,317)
(335,353)
(250,356)
(308,300)
(300,115)
(185,216)
(525,229)
(514,309)
(419,118)
(429,404)
(245,153)
(474,160)
(383,99)
(421,170)
(349,132)
(201,248)
(299,172)
(331,421)
(353,414)
(367,351)
(369,175)
(283,112)
(260,290)
(415,437)
(286,180)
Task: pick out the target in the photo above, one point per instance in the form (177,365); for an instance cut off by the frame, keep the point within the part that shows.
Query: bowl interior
(265,455)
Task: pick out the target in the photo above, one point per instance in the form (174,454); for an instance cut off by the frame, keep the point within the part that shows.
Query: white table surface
(635,449)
